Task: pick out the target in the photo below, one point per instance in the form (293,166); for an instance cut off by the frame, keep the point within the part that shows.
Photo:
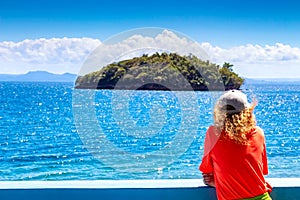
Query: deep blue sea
(49,131)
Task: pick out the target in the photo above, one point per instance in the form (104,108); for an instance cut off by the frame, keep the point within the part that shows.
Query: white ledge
(104,184)
(284,182)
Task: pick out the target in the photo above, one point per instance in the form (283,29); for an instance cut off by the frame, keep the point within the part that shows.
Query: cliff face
(162,72)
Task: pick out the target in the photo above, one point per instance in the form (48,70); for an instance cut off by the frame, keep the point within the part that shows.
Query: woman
(235,159)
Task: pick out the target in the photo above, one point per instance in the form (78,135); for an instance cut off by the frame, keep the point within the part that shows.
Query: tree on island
(155,72)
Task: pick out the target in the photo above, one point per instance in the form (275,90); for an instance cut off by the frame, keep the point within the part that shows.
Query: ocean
(49,131)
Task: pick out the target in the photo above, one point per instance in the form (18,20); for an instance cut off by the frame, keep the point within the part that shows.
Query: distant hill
(39,76)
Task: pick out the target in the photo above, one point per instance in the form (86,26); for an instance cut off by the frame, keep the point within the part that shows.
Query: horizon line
(244,77)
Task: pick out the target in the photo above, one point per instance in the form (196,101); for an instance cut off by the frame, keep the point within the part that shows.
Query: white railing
(283,188)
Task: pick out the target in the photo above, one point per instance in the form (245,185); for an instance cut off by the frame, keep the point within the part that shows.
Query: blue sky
(224,24)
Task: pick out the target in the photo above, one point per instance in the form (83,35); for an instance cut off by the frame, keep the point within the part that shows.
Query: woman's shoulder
(258,132)
(212,130)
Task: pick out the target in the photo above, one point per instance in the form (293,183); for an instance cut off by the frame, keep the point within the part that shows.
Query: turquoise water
(39,139)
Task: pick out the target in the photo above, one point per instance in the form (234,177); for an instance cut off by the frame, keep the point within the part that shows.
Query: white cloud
(57,55)
(254,53)
(61,55)
(250,60)
(136,44)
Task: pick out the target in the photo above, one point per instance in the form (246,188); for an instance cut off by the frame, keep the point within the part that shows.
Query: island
(151,72)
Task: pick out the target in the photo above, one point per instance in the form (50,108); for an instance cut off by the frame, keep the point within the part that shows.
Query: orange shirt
(238,169)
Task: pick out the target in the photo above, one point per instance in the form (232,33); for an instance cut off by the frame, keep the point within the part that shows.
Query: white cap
(233,101)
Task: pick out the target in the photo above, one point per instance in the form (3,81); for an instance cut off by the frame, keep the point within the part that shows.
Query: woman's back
(235,159)
(240,165)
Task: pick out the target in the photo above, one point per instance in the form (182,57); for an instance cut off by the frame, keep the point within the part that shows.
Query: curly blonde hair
(235,126)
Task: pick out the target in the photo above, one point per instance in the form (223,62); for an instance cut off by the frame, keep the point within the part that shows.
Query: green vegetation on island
(158,71)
